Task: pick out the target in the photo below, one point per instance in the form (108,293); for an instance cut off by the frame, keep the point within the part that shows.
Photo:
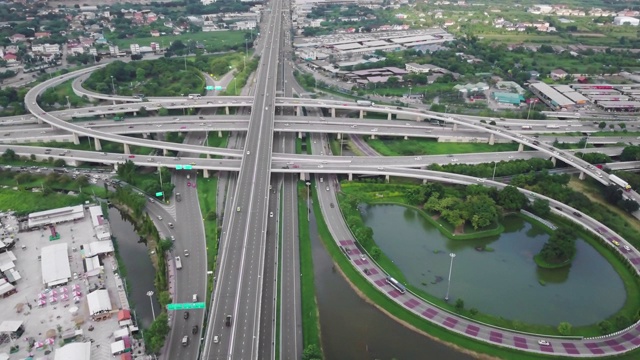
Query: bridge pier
(361,114)
(386,178)
(76,139)
(219,133)
(226,110)
(135,113)
(205,173)
(114,102)
(418,118)
(389,116)
(298,110)
(520,147)
(97,143)
(302,177)
(145,135)
(127,149)
(553,161)
(492,139)
(115,167)
(350,176)
(39,121)
(165,152)
(373,137)
(424,181)
(455,127)
(582,175)
(299,134)
(406,137)
(339,136)
(333,112)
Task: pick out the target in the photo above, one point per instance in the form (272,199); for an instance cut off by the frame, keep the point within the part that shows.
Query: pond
(504,282)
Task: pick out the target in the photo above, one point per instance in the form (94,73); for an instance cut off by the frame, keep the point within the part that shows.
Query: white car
(418,158)
(271,214)
(626,247)
(216,339)
(543,342)
(454,159)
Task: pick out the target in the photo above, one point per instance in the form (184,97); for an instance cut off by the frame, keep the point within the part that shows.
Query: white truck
(526,127)
(365,103)
(178,263)
(553,127)
(617,181)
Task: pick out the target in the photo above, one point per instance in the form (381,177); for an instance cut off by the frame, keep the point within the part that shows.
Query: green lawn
(395,147)
(25,202)
(219,39)
(207,193)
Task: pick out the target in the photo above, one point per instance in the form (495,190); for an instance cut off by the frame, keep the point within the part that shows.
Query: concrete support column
(386,178)
(135,113)
(299,111)
(208,156)
(76,139)
(373,137)
(350,176)
(582,176)
(219,133)
(406,137)
(521,147)
(114,102)
(418,118)
(553,161)
(40,121)
(424,181)
(389,116)
(127,150)
(492,139)
(165,152)
(333,112)
(226,110)
(339,136)
(205,173)
(97,143)
(145,135)
(455,127)
(299,134)
(361,114)
(302,176)
(115,167)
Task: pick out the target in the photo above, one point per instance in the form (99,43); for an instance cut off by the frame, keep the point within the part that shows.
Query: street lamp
(308,199)
(113,87)
(446,298)
(153,312)
(495,165)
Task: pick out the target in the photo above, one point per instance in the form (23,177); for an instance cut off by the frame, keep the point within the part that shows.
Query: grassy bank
(310,315)
(24,202)
(400,147)
(207,196)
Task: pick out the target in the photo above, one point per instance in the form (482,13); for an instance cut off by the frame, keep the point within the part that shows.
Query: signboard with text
(186,306)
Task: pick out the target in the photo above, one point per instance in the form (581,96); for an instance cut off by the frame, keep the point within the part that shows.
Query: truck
(526,127)
(617,181)
(178,197)
(553,126)
(365,103)
(178,263)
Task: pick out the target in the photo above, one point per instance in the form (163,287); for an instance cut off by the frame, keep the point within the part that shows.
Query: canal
(140,270)
(503,281)
(353,329)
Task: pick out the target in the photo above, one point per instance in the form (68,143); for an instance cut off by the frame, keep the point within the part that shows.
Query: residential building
(558,74)
(135,49)
(419,68)
(17,38)
(626,20)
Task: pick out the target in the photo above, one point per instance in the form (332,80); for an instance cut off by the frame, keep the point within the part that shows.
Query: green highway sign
(178,167)
(218,88)
(209,88)
(186,306)
(187,167)
(159,193)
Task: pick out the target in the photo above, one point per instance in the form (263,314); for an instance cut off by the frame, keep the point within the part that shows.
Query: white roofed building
(74,351)
(55,264)
(99,304)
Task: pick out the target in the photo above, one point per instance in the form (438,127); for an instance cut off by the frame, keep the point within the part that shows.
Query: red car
(296,166)
(183,127)
(131,156)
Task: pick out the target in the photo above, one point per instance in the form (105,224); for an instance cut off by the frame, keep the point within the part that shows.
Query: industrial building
(551,96)
(508,98)
(55,265)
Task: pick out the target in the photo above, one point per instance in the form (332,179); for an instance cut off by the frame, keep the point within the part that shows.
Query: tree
(311,352)
(10,155)
(212,216)
(375,253)
(541,207)
(560,248)
(165,245)
(155,336)
(82,181)
(459,305)
(511,199)
(163,112)
(605,327)
(564,328)
(59,163)
(602,125)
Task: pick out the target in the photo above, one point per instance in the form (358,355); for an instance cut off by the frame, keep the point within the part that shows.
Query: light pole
(153,312)
(161,186)
(586,140)
(495,165)
(113,87)
(246,53)
(308,199)
(446,298)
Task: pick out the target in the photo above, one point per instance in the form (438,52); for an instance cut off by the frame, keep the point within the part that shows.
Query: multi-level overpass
(239,290)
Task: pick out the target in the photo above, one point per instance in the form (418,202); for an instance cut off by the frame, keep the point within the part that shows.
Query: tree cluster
(127,172)
(155,336)
(560,248)
(502,168)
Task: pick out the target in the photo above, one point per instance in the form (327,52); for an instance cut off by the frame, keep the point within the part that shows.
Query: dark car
(194,330)
(186,315)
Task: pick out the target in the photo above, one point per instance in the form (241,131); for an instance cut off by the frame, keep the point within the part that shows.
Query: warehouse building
(551,96)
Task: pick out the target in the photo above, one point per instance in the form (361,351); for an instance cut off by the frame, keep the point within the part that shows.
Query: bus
(195,96)
(393,282)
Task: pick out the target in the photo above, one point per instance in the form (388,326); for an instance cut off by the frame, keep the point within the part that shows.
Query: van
(185,340)
(178,263)
(195,297)
(227,320)
(321,179)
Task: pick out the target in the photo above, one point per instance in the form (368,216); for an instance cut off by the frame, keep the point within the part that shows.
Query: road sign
(186,306)
(178,167)
(218,88)
(159,193)
(209,88)
(187,167)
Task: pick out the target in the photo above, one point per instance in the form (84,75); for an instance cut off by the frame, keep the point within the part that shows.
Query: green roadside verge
(207,196)
(411,320)
(310,314)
